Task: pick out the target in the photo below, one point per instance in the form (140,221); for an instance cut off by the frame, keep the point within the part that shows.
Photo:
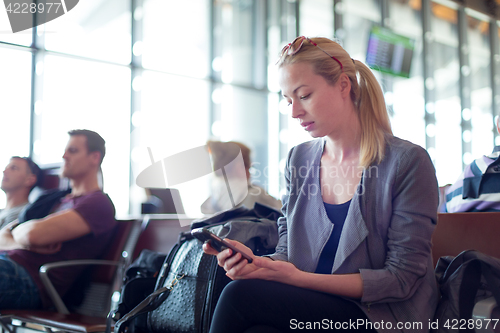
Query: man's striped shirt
(478,188)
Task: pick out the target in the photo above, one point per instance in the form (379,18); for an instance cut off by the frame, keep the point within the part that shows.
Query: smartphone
(216,242)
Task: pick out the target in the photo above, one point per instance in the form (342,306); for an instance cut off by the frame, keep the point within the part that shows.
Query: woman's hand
(233,263)
(263,268)
(279,271)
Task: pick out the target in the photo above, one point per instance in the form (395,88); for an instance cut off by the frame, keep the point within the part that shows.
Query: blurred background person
(478,187)
(20,176)
(243,191)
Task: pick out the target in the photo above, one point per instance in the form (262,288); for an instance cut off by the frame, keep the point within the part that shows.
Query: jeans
(17,288)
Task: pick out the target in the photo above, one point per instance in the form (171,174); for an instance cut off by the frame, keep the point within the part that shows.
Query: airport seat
(457,232)
(158,233)
(154,232)
(90,315)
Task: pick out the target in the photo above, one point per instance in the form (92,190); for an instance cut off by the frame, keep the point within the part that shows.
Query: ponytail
(373,117)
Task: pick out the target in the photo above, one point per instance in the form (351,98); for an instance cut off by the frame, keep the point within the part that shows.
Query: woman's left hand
(267,269)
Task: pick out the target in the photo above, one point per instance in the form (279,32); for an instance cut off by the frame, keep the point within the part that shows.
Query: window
(447,108)
(173,117)
(14,106)
(98,29)
(406,100)
(316,18)
(479,71)
(87,95)
(176,37)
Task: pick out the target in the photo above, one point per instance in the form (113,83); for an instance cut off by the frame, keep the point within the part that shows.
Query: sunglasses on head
(294,47)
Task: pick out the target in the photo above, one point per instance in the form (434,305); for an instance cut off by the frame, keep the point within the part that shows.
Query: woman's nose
(297,110)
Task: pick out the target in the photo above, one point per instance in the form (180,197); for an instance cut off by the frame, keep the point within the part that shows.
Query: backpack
(463,281)
(190,282)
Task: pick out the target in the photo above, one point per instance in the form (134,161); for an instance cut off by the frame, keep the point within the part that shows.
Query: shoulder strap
(492,280)
(154,299)
(150,303)
(469,285)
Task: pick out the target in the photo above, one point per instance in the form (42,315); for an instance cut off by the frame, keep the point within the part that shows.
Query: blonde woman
(355,240)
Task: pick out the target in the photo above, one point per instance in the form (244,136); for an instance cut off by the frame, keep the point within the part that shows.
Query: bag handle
(150,303)
(468,290)
(492,279)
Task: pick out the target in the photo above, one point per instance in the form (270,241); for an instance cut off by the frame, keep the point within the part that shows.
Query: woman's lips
(307,125)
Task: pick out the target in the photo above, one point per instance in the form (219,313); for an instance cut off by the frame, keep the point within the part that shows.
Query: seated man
(80,227)
(20,176)
(478,188)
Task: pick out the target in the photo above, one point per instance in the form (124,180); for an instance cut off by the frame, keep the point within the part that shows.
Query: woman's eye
(304,97)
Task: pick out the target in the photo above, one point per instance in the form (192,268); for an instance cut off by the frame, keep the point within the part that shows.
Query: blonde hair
(366,93)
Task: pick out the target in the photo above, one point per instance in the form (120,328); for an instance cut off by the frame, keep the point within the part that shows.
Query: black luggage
(190,281)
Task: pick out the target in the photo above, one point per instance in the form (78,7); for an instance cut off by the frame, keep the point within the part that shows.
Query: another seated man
(80,227)
(478,188)
(20,176)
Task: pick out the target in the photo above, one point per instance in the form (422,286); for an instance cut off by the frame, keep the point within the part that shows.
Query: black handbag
(190,281)
(186,291)
(464,280)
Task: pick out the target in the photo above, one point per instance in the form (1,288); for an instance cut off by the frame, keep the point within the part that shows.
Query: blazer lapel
(353,233)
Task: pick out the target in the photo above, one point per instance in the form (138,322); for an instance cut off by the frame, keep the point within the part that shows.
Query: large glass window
(173,117)
(406,100)
(206,70)
(316,18)
(447,108)
(234,41)
(176,36)
(83,94)
(358,17)
(6,35)
(97,29)
(480,74)
(15,83)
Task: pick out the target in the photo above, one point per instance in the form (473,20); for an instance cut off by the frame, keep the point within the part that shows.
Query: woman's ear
(345,85)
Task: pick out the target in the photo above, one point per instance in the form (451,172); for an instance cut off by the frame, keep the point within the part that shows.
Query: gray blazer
(386,235)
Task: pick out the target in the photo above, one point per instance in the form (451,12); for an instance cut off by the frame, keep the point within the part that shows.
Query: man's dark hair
(94,141)
(34,169)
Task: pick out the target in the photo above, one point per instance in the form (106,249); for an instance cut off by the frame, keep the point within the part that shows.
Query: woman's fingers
(232,261)
(208,249)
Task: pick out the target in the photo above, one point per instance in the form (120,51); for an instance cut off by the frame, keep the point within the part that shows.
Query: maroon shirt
(98,211)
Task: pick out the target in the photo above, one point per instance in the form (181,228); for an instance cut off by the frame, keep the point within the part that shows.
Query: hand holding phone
(216,242)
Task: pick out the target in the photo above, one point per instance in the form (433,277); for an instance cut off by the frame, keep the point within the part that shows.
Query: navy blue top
(337,215)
